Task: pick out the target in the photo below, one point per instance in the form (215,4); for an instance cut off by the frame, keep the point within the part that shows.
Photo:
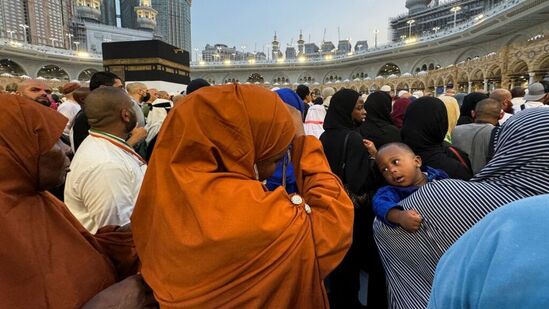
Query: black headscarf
(379,127)
(196,84)
(469,104)
(339,114)
(339,124)
(425,126)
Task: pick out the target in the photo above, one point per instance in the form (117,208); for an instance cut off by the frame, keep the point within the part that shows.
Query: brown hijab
(48,260)
(210,235)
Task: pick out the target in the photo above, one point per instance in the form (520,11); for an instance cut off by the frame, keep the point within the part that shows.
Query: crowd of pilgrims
(244,197)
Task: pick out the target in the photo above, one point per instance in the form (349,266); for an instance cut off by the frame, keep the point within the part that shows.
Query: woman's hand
(369,145)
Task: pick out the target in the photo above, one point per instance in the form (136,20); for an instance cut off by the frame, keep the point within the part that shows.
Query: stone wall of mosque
(508,47)
(511,60)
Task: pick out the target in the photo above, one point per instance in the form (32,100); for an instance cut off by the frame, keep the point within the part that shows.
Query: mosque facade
(506,47)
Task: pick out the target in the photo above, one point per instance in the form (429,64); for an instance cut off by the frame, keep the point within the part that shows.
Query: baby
(401,168)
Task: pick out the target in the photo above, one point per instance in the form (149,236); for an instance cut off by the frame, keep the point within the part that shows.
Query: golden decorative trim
(146,61)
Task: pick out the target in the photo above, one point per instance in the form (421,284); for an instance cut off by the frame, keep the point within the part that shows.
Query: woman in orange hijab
(48,260)
(207,231)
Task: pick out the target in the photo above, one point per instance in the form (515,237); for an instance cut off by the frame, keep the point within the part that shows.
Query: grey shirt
(474,139)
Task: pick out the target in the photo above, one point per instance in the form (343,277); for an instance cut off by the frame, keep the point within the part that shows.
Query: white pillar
(470,88)
(444,89)
(485,85)
(532,78)
(512,85)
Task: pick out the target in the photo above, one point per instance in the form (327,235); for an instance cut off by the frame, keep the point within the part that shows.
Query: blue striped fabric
(519,169)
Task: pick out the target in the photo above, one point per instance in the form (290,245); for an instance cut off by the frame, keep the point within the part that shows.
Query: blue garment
(501,262)
(291,98)
(389,197)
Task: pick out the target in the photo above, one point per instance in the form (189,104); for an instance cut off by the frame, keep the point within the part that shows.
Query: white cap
(401,93)
(418,94)
(386,88)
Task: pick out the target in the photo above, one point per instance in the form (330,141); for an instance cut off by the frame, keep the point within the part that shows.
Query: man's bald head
(107,106)
(504,97)
(35,90)
(488,110)
(135,88)
(163,95)
(137,91)
(177,99)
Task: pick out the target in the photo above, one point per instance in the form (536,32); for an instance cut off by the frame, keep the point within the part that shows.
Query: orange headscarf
(48,259)
(209,235)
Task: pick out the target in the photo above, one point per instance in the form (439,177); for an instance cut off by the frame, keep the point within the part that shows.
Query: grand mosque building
(467,45)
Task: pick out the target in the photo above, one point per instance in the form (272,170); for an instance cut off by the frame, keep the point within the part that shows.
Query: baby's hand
(410,220)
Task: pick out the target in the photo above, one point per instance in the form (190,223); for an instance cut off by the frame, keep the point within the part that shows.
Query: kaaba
(147,61)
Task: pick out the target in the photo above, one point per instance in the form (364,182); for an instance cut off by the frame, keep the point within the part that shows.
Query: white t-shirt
(104,181)
(69,109)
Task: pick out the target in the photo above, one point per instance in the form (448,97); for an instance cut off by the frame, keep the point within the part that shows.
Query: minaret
(146,15)
(300,44)
(276,48)
(89,10)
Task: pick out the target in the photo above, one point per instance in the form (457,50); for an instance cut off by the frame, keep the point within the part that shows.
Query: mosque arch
(331,76)
(462,81)
(519,67)
(418,85)
(402,86)
(306,77)
(359,73)
(450,80)
(542,63)
(470,54)
(280,78)
(494,71)
(423,64)
(230,79)
(86,74)
(11,67)
(439,82)
(389,69)
(430,84)
(477,74)
(463,76)
(255,78)
(477,79)
(51,71)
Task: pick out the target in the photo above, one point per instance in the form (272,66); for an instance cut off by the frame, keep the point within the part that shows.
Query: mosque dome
(417,5)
